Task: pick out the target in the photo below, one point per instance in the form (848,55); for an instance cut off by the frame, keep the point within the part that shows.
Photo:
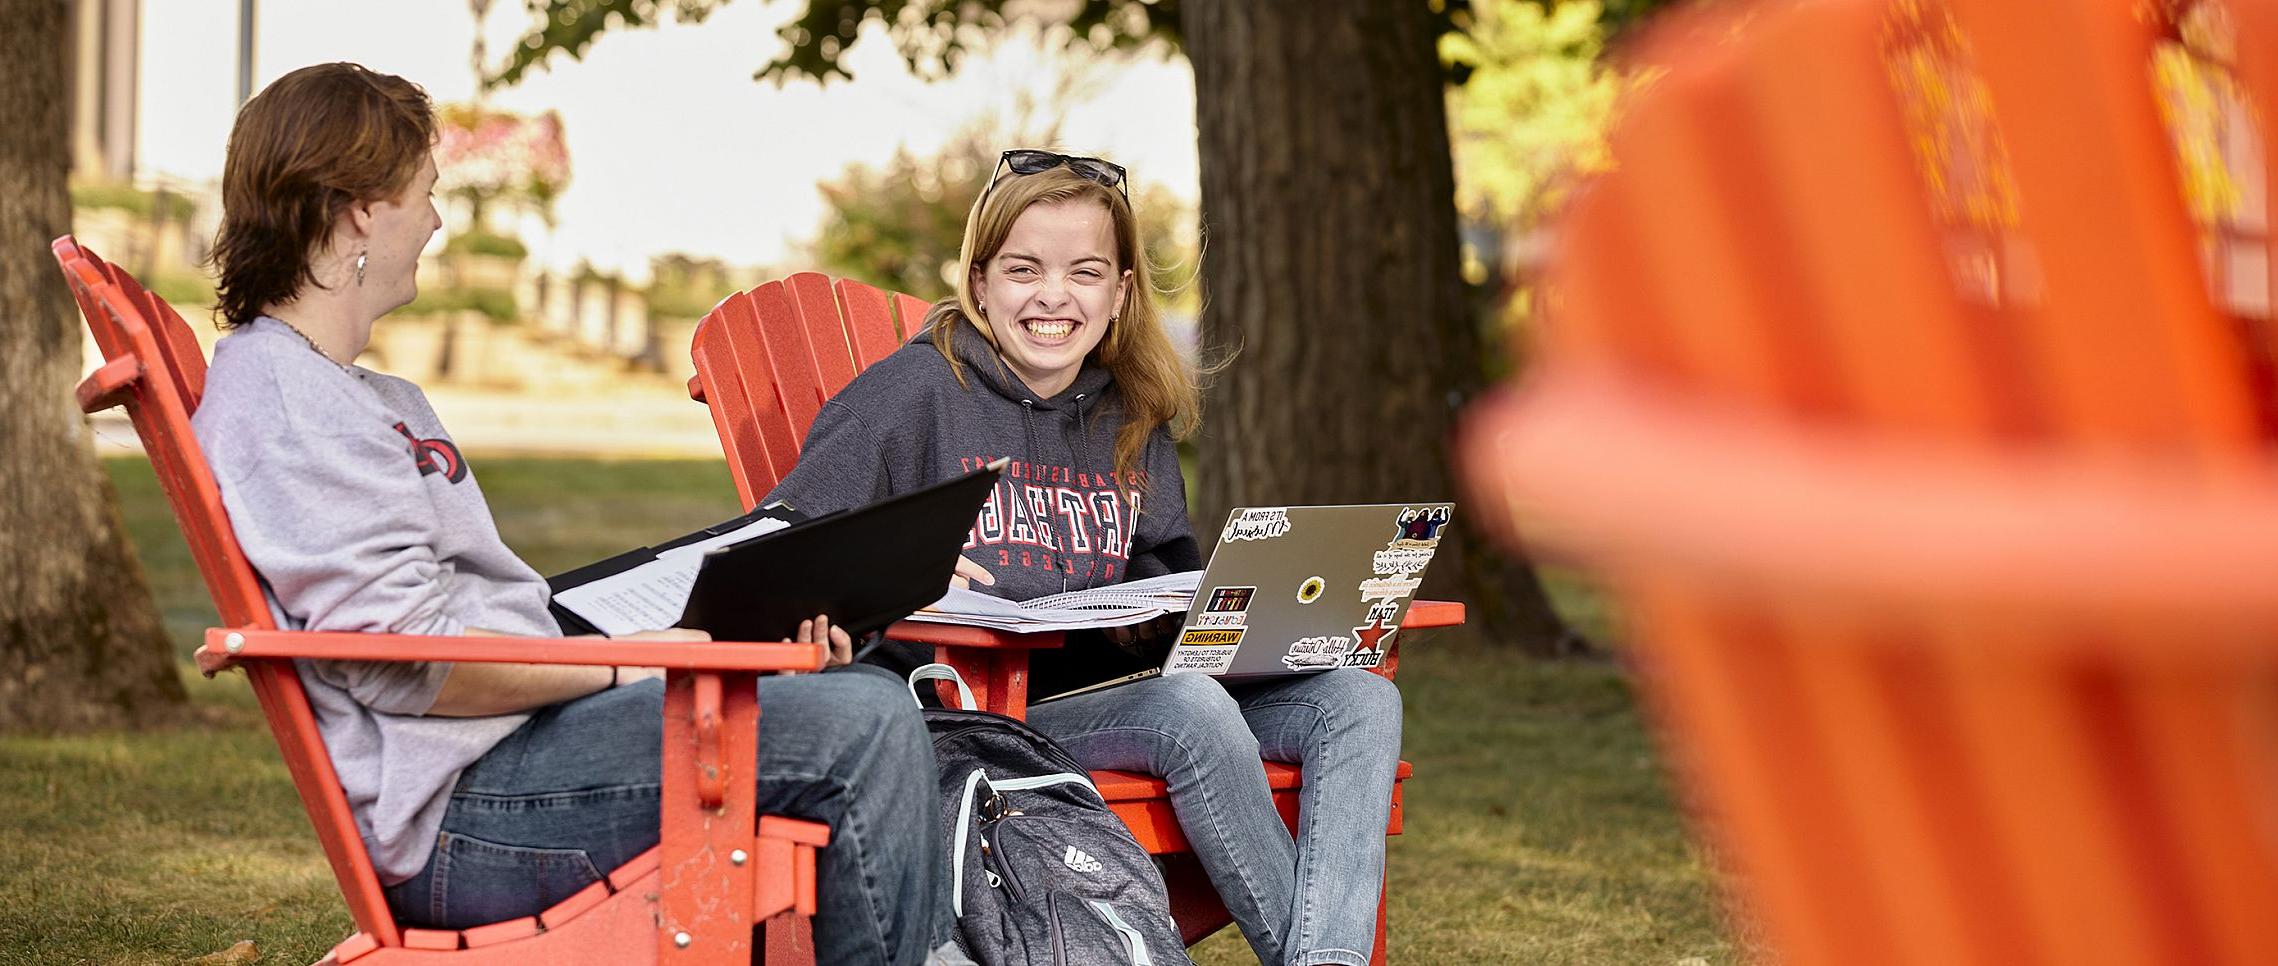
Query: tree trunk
(80,641)
(1328,206)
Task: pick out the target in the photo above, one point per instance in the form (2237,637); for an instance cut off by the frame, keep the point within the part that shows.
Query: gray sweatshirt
(1057,521)
(357,511)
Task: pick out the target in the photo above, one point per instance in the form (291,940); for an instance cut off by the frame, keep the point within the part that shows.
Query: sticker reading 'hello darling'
(1317,653)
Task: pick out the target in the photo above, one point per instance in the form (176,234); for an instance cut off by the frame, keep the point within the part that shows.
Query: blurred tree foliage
(899,225)
(1533,113)
(934,35)
(2204,107)
(684,286)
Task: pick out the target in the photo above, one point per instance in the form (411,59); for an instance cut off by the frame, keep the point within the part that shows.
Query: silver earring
(360,266)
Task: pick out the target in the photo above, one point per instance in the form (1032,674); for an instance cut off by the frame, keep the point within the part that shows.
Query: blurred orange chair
(1884,383)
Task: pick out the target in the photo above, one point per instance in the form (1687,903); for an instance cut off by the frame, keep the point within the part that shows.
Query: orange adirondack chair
(719,870)
(1950,530)
(767,360)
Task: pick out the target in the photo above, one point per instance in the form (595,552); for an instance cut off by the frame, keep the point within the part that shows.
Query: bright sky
(673,146)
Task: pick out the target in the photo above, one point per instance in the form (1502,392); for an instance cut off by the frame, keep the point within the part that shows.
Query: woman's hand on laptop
(968,572)
(1144,631)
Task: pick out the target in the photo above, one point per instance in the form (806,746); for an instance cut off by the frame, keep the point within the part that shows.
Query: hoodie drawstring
(1083,437)
(1028,434)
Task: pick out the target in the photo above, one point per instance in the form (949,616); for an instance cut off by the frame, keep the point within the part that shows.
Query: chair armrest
(1422,614)
(1434,613)
(109,385)
(960,635)
(227,645)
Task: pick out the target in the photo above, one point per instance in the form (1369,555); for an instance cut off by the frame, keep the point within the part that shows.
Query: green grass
(1539,829)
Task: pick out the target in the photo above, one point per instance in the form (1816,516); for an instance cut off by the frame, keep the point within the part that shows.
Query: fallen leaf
(243,951)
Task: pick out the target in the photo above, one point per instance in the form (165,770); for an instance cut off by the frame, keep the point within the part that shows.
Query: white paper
(653,595)
(759,527)
(1116,605)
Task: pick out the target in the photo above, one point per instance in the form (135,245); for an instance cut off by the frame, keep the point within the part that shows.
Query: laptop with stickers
(1289,590)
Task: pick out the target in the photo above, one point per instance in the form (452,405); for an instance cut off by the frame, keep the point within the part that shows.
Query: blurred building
(104,56)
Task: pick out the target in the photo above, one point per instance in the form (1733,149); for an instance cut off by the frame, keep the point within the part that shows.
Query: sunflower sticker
(1311,589)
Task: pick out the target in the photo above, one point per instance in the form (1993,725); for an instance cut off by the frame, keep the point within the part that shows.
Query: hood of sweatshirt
(984,365)
(1061,518)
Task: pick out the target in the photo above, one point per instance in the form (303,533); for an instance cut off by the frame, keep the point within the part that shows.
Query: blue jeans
(573,794)
(1308,900)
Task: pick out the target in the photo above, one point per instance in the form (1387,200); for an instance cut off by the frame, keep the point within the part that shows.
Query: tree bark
(1332,273)
(80,641)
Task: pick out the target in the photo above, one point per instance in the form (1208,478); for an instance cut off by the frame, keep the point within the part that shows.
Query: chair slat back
(767,359)
(1905,772)
(870,331)
(737,377)
(830,335)
(909,316)
(130,323)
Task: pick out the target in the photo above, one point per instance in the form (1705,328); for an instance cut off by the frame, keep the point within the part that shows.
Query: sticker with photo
(1420,527)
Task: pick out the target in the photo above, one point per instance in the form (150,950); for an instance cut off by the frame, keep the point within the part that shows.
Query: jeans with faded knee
(1307,899)
(573,794)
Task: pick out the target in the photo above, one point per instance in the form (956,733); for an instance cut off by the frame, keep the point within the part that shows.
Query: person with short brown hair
(337,139)
(484,792)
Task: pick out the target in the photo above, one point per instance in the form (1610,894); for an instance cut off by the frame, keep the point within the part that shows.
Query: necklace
(313,347)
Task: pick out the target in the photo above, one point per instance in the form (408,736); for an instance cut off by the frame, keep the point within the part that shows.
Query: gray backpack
(1041,871)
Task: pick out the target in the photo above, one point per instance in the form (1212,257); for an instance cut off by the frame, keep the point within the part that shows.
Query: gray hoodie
(1057,521)
(357,511)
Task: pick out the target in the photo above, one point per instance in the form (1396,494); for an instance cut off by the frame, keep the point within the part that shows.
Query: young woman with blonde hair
(1052,353)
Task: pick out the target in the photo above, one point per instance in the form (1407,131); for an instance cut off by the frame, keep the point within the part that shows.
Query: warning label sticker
(1211,638)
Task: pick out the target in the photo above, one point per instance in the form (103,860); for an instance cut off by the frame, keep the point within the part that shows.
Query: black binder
(866,567)
(572,624)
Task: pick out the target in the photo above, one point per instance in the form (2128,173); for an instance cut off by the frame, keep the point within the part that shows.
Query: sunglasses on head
(1032,161)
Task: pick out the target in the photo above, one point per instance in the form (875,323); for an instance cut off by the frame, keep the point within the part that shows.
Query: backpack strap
(942,672)
(973,782)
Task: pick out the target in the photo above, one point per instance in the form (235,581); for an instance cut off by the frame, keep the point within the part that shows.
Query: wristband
(613,669)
